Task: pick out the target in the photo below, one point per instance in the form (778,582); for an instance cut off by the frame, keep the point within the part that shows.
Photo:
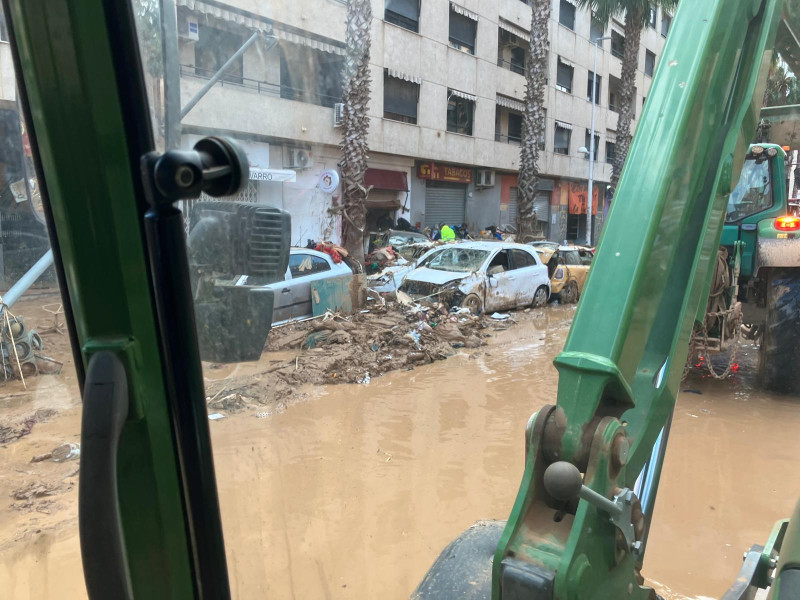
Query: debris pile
(12,430)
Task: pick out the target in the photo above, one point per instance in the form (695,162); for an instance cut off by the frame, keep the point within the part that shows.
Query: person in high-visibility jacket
(447,233)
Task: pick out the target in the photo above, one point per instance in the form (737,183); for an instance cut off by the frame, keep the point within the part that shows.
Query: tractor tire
(780,342)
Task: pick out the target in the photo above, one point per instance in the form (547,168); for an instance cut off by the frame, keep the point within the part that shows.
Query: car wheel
(473,303)
(540,297)
(570,293)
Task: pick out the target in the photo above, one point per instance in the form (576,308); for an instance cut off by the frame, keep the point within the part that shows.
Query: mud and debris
(15,428)
(341,349)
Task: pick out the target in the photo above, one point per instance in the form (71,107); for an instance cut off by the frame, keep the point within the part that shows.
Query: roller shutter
(510,215)
(445,203)
(541,204)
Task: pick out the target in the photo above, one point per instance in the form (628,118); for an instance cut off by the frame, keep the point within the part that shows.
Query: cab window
(753,193)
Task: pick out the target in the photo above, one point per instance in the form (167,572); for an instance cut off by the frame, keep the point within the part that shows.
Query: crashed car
(389,280)
(567,271)
(409,244)
(293,294)
(481,276)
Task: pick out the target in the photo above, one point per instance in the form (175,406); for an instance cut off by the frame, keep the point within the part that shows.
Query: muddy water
(354,492)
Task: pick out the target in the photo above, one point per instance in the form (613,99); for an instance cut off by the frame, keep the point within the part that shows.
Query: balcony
(267,88)
(514,67)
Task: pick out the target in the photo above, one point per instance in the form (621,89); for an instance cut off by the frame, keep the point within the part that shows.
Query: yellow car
(567,270)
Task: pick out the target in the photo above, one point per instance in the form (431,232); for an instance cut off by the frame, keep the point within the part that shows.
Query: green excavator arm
(584,536)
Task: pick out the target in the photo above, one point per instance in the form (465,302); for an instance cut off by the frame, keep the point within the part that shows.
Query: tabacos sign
(434,172)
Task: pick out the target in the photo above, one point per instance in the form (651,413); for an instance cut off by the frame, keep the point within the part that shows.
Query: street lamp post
(589,228)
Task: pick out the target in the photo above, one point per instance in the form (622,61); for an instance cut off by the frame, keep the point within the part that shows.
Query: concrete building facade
(445,110)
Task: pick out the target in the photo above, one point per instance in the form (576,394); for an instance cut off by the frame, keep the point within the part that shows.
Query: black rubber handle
(105,408)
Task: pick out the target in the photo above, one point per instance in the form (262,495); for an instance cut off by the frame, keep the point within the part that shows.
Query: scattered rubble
(11,431)
(38,496)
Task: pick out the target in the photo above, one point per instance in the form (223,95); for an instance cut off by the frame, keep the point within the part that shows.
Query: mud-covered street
(351,490)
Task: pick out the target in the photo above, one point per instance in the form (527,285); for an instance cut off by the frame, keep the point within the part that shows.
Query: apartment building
(445,110)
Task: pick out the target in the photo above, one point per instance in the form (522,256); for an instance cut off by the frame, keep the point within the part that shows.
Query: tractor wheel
(569,294)
(780,340)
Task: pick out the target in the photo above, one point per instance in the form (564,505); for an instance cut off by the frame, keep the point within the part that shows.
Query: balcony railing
(267,88)
(507,64)
(508,139)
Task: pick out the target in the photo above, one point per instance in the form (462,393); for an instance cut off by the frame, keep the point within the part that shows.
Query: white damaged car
(481,276)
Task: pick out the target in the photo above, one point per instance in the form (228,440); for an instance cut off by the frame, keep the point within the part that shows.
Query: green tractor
(755,288)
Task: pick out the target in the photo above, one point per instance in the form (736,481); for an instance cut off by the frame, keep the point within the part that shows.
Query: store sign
(328,181)
(436,172)
(579,196)
(257,174)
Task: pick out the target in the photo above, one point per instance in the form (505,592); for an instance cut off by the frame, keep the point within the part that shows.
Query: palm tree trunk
(627,97)
(355,125)
(533,125)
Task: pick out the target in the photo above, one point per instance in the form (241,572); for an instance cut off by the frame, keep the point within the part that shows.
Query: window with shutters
(564,77)
(403,13)
(561,141)
(512,51)
(462,32)
(651,21)
(514,127)
(597,86)
(566,14)
(400,99)
(649,63)
(459,114)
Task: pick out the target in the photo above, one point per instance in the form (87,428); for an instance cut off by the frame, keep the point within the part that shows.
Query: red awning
(383,179)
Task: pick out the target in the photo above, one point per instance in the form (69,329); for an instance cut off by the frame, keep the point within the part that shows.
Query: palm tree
(637,16)
(533,117)
(355,125)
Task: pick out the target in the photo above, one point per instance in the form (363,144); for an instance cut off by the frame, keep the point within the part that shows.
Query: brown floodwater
(353,492)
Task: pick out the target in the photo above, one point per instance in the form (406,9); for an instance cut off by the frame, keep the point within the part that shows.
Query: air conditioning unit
(484,178)
(298,159)
(188,29)
(338,114)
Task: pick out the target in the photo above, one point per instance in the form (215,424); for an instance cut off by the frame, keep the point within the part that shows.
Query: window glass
(611,149)
(400,99)
(596,31)
(514,127)
(617,44)
(518,60)
(564,77)
(566,14)
(571,257)
(3,30)
(301,265)
(213,48)
(597,86)
(522,259)
(561,142)
(652,19)
(588,141)
(459,115)
(649,63)
(309,75)
(666,23)
(404,13)
(460,260)
(753,193)
(462,32)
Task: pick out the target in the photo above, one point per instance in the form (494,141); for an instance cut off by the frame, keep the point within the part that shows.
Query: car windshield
(401,239)
(460,260)
(753,193)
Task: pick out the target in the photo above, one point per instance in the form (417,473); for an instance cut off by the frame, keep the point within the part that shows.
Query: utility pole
(589,225)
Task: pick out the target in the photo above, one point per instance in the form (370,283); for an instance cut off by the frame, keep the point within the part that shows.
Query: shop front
(445,193)
(387,198)
(577,200)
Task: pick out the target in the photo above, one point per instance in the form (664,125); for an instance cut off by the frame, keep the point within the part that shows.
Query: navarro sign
(436,172)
